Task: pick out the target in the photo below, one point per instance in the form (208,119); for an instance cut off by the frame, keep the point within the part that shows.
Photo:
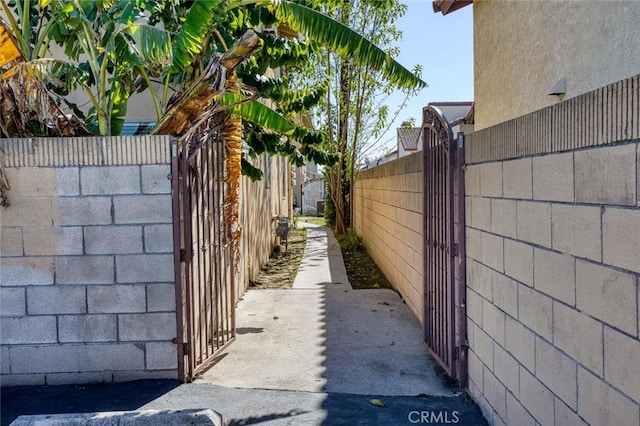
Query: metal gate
(205,266)
(443,250)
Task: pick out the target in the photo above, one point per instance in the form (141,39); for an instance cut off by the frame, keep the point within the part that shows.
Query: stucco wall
(388,217)
(86,266)
(553,263)
(522,48)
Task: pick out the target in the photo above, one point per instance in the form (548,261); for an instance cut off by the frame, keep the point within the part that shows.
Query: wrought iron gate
(205,267)
(443,250)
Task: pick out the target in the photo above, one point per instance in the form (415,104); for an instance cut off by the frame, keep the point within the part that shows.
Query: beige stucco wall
(388,217)
(522,48)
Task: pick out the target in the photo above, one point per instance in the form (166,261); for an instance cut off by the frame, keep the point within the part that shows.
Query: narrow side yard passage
(324,336)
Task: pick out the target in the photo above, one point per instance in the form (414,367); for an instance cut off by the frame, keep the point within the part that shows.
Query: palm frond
(344,41)
(258,113)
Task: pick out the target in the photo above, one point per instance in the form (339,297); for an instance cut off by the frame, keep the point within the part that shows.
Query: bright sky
(443,45)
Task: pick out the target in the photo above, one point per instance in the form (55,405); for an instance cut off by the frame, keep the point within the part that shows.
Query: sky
(443,45)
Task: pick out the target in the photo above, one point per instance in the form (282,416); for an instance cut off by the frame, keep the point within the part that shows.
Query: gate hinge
(184,348)
(455,250)
(182,255)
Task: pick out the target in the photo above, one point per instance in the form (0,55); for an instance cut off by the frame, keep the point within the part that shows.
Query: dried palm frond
(27,108)
(232,139)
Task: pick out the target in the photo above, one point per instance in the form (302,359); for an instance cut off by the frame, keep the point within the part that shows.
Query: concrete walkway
(318,354)
(323,336)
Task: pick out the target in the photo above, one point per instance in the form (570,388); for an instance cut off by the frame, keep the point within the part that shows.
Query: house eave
(448,6)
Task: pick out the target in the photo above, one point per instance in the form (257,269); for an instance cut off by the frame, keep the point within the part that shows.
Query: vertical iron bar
(177,262)
(188,258)
(462,261)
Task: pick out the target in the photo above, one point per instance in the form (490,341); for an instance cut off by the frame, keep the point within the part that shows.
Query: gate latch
(455,250)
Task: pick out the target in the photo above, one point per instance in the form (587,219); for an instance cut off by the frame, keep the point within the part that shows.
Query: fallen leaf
(275,317)
(377,402)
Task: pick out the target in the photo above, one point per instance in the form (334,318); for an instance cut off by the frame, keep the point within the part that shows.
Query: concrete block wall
(388,217)
(86,266)
(553,274)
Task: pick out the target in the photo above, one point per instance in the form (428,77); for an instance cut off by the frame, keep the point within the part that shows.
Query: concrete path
(323,336)
(318,354)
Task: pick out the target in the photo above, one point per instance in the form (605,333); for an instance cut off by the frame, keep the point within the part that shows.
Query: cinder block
(566,416)
(49,182)
(534,222)
(517,414)
(79,378)
(12,301)
(147,327)
(161,356)
(161,298)
(503,217)
(536,398)
(5,361)
(554,274)
(483,346)
(579,336)
(28,330)
(518,261)
(68,181)
(621,238)
(505,294)
(149,268)
(494,392)
(23,380)
(520,343)
(28,211)
(158,239)
(69,211)
(142,209)
(472,180)
(577,230)
(534,311)
(155,179)
(116,299)
(475,368)
(10,241)
(23,271)
(48,300)
(77,358)
(620,368)
(553,177)
(480,215)
(557,371)
(606,175)
(113,239)
(473,243)
(491,179)
(52,241)
(600,404)
(87,328)
(506,369)
(479,279)
(474,307)
(84,270)
(493,322)
(493,251)
(607,294)
(127,376)
(517,179)
(110,180)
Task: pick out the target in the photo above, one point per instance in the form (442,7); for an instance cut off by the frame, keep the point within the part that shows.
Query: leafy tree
(118,47)
(355,114)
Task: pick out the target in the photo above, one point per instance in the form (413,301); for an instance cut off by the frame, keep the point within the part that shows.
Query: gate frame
(450,352)
(193,358)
